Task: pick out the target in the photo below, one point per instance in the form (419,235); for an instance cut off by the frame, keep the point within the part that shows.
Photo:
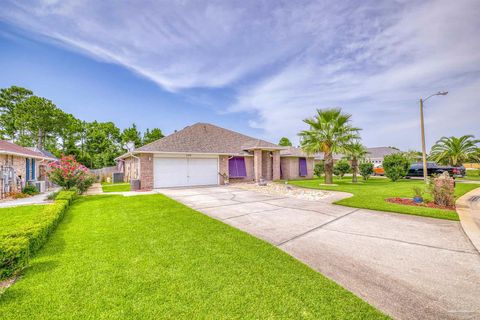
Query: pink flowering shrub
(69,174)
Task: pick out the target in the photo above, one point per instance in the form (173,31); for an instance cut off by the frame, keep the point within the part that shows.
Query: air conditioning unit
(117,177)
(40,185)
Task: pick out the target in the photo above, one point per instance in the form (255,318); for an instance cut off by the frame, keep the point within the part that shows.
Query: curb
(468,215)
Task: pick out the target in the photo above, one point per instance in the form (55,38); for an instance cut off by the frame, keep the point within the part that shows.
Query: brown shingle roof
(207,138)
(7,147)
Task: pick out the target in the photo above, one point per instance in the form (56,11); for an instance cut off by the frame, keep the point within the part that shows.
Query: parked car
(416,170)
(378,171)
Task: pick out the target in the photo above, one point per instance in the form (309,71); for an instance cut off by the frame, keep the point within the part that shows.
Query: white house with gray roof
(377,154)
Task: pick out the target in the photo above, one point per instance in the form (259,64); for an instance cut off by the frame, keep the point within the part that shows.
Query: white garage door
(178,172)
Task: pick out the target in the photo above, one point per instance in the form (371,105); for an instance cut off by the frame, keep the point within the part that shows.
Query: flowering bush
(70,174)
(442,189)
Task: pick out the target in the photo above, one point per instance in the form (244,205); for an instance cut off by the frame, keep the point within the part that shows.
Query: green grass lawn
(372,195)
(115,187)
(18,217)
(472,175)
(149,257)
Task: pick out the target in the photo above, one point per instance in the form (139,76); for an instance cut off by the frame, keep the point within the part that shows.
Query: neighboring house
(319,157)
(376,155)
(19,166)
(204,154)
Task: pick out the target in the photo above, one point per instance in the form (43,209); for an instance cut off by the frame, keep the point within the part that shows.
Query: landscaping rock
(285,190)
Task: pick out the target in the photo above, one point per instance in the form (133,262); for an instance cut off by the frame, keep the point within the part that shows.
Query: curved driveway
(410,267)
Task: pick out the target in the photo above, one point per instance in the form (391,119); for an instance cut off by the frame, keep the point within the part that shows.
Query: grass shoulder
(473,175)
(371,194)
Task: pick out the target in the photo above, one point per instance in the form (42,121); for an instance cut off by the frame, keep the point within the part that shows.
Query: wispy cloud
(283,60)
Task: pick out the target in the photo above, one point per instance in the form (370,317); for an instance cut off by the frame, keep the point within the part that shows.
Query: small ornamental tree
(340,168)
(366,170)
(70,174)
(396,166)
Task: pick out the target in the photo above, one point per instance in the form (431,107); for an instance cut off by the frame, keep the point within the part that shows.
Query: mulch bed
(410,202)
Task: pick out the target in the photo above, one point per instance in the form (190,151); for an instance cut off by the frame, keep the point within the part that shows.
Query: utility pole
(424,149)
(422,125)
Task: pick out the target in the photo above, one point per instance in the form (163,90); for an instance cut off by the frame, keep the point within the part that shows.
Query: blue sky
(255,67)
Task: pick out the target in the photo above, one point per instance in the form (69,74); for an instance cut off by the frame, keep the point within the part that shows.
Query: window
(30,169)
(302,166)
(236,167)
(33,170)
(27,169)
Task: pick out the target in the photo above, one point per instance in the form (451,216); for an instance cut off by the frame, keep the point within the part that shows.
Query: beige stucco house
(19,166)
(205,154)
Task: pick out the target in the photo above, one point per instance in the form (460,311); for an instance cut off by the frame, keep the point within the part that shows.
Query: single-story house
(205,154)
(376,155)
(19,166)
(291,159)
(319,157)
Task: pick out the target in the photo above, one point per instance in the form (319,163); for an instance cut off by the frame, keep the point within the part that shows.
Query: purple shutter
(232,167)
(241,169)
(302,167)
(236,167)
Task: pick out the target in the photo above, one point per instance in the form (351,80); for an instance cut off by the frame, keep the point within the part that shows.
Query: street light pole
(422,127)
(424,149)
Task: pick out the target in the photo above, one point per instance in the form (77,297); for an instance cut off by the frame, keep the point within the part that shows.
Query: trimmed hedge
(18,246)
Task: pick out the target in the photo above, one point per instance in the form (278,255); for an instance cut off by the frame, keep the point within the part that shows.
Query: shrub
(442,190)
(319,169)
(366,170)
(340,168)
(396,166)
(68,173)
(417,191)
(53,195)
(18,246)
(68,196)
(30,190)
(14,253)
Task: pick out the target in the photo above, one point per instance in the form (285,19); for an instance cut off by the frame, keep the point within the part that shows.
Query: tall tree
(102,144)
(10,98)
(131,134)
(455,151)
(69,136)
(330,130)
(150,136)
(354,152)
(38,119)
(285,142)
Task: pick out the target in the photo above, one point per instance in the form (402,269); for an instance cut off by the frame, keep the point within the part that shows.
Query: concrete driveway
(409,267)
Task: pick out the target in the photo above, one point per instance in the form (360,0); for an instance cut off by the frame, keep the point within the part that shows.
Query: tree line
(32,121)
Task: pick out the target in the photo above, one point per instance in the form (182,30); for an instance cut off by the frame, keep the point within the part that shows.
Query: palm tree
(354,152)
(455,151)
(329,131)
